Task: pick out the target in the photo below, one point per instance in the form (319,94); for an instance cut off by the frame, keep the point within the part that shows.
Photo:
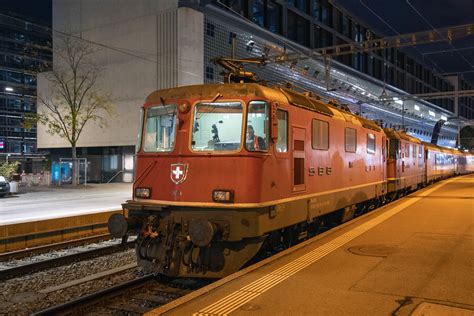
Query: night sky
(394,17)
(37,11)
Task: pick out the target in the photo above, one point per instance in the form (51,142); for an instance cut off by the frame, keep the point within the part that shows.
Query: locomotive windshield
(160,129)
(217,126)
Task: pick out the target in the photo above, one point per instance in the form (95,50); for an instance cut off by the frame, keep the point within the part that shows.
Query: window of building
(210,72)
(326,13)
(258,12)
(346,26)
(239,6)
(298,28)
(282,143)
(322,38)
(320,135)
(210,29)
(371,143)
(351,140)
(301,4)
(316,10)
(273,17)
(232,35)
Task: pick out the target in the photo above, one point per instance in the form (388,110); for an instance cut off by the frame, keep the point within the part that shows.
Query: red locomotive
(224,170)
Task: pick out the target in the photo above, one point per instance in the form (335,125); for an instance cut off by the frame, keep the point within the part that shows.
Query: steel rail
(16,254)
(60,261)
(97,296)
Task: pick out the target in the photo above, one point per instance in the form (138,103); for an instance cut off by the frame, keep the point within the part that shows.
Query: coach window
(256,138)
(217,126)
(371,143)
(420,152)
(282,143)
(160,132)
(407,150)
(351,140)
(320,139)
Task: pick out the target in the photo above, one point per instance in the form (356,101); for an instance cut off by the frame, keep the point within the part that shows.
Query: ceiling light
(398,101)
(444,118)
(417,107)
(431,113)
(9,89)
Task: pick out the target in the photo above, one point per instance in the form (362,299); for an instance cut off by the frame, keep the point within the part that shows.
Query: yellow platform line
(247,293)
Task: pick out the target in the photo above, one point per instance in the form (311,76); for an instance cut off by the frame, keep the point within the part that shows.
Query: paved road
(63,202)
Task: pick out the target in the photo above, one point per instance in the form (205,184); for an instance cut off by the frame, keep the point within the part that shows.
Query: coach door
(299,138)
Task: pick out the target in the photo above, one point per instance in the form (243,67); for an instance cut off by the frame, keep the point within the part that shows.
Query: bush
(8,169)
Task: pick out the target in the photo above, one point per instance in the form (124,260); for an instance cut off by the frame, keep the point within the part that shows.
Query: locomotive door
(384,158)
(298,164)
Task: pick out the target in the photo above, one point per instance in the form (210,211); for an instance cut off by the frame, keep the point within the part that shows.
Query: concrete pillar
(190,47)
(454,80)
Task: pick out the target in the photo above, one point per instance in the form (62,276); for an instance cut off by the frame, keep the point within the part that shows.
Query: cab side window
(257,134)
(371,143)
(320,139)
(282,143)
(350,140)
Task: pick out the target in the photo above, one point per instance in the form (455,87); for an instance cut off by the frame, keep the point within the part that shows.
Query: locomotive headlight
(223,196)
(143,193)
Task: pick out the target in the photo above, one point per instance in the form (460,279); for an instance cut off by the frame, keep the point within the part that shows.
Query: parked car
(4,186)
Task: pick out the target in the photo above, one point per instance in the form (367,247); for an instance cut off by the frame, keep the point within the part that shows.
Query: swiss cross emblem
(179,172)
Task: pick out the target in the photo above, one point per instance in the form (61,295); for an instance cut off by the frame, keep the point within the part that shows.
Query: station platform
(414,256)
(43,203)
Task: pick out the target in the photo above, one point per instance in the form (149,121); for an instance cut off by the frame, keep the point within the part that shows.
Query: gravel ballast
(21,296)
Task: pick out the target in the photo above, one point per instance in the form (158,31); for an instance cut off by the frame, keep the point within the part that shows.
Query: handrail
(115,175)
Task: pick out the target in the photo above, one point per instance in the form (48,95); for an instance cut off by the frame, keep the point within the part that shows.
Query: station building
(148,45)
(25,50)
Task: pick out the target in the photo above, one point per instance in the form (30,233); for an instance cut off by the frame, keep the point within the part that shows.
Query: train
(225,172)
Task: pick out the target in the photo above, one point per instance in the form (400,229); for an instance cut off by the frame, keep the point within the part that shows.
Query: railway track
(19,237)
(129,298)
(20,270)
(139,295)
(22,253)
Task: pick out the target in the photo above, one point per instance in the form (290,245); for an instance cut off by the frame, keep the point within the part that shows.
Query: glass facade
(25,50)
(317,24)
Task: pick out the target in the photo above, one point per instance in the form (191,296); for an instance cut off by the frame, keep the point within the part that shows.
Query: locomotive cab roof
(391,133)
(275,94)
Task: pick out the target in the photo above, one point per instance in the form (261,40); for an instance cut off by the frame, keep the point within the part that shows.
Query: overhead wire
(448,50)
(431,25)
(394,30)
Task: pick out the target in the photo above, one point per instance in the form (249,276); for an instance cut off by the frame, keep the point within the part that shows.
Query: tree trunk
(74,166)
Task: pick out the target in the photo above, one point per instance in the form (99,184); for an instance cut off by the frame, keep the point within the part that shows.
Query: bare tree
(74,99)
